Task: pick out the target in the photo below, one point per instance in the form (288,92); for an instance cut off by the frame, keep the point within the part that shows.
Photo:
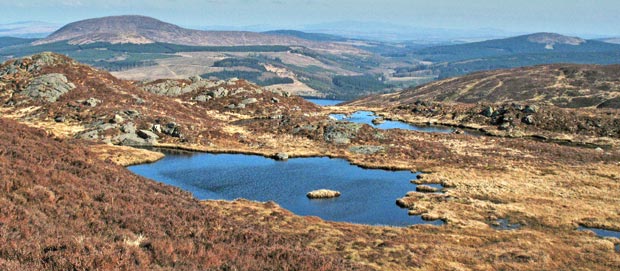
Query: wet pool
(368,195)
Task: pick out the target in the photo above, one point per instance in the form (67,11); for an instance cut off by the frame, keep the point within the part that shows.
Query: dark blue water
(368,196)
(324,102)
(603,233)
(366,117)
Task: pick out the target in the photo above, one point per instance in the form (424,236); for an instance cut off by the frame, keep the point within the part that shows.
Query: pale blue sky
(563,16)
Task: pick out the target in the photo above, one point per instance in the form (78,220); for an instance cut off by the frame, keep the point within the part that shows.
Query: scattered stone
(117,119)
(505,126)
(599,149)
(139,100)
(241,106)
(195,79)
(218,93)
(458,131)
(488,112)
(529,120)
(90,135)
(531,109)
(130,140)
(48,87)
(128,128)
(108,126)
(132,113)
(148,135)
(156,128)
(323,194)
(341,132)
(276,117)
(231,106)
(249,101)
(59,119)
(172,129)
(275,100)
(202,98)
(366,149)
(378,121)
(92,102)
(281,156)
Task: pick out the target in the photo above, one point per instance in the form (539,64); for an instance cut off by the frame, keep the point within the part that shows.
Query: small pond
(367,117)
(368,196)
(323,102)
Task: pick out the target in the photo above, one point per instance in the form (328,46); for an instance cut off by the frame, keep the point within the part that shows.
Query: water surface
(366,117)
(324,102)
(603,233)
(368,196)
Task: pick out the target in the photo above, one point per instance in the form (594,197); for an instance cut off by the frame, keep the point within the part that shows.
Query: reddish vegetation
(64,210)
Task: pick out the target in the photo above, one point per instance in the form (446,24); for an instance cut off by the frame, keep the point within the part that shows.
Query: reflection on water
(367,117)
(324,102)
(368,196)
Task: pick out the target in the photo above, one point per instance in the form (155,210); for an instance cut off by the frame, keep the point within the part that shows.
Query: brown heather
(65,205)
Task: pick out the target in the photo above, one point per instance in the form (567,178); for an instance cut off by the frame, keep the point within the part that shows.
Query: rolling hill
(135,29)
(528,50)
(538,43)
(563,85)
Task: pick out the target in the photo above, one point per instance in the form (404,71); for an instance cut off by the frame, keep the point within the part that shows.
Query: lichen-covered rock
(323,194)
(341,132)
(531,109)
(148,135)
(281,156)
(249,101)
(529,119)
(48,87)
(128,128)
(117,119)
(130,140)
(378,121)
(92,102)
(488,112)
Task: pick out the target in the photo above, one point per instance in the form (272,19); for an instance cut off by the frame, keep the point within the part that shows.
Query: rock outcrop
(48,87)
(323,194)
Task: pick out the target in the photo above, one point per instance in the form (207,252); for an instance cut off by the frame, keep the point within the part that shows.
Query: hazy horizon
(571,17)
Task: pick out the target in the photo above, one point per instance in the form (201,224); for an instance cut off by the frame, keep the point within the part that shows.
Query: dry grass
(547,188)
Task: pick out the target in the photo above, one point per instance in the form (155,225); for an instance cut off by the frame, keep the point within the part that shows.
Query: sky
(600,17)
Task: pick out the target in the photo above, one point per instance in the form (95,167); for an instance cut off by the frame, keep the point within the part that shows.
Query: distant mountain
(541,43)
(28,29)
(146,30)
(306,36)
(528,50)
(611,40)
(563,85)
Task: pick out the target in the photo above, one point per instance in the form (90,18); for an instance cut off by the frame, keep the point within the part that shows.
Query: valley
(526,182)
(307,64)
(131,143)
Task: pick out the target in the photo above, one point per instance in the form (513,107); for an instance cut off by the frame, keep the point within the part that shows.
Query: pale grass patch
(134,242)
